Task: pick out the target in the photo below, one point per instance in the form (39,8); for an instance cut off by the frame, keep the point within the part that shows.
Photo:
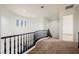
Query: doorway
(67,28)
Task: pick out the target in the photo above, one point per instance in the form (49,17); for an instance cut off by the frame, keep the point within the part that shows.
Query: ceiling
(35,10)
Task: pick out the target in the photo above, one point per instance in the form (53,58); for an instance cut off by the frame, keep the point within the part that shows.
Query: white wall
(46,24)
(76,23)
(75,12)
(0,34)
(9,27)
(53,26)
(36,24)
(68,28)
(64,12)
(68,24)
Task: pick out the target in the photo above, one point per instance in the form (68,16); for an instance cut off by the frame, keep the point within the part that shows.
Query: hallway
(54,46)
(22,26)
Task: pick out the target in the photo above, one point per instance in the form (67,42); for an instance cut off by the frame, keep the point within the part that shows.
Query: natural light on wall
(68,27)
(68,24)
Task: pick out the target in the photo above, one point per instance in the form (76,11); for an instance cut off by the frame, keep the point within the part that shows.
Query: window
(21,22)
(25,23)
(17,22)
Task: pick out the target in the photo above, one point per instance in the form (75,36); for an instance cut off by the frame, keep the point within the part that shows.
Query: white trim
(29,50)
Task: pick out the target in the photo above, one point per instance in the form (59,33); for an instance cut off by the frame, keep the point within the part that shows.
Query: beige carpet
(54,46)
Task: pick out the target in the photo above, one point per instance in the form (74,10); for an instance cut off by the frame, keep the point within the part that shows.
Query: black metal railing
(18,44)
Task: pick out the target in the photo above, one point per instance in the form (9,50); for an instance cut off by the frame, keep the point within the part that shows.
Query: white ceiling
(34,10)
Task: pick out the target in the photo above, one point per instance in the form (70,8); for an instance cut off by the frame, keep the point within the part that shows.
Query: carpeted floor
(54,46)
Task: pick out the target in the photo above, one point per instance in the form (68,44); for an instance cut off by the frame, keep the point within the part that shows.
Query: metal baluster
(34,40)
(21,45)
(14,45)
(10,46)
(18,45)
(29,40)
(5,46)
(26,41)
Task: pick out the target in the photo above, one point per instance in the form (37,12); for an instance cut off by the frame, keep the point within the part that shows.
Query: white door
(68,28)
